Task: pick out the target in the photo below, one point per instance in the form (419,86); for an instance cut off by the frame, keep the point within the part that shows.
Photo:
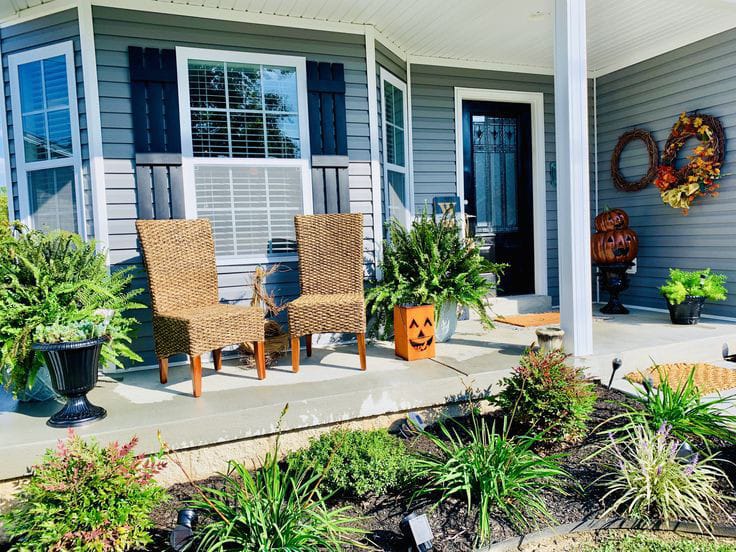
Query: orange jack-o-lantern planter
(414,331)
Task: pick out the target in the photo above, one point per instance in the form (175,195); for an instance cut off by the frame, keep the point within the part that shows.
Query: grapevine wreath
(680,187)
(652,151)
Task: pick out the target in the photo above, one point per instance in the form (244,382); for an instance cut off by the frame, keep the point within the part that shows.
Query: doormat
(708,378)
(531,320)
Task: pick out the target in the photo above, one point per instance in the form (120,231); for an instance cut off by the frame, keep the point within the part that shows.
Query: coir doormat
(708,378)
(531,320)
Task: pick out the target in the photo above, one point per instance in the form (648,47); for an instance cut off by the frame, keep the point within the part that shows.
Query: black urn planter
(615,280)
(687,312)
(73,369)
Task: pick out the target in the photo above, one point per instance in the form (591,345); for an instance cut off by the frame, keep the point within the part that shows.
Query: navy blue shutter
(328,137)
(156,133)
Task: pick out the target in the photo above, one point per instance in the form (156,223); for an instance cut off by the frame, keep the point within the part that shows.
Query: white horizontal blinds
(243,110)
(247,114)
(42,90)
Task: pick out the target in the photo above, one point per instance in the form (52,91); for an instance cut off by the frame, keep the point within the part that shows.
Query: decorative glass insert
(495,164)
(44,106)
(53,199)
(393,119)
(244,110)
(251,207)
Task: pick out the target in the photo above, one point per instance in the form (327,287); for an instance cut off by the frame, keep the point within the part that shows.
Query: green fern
(57,278)
(429,263)
(699,283)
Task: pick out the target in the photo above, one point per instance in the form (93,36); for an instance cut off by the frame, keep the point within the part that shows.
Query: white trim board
(8,183)
(65,49)
(373,130)
(388,77)
(94,127)
(535,100)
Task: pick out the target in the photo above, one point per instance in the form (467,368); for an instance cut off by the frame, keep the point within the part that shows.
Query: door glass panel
(53,200)
(396,195)
(495,165)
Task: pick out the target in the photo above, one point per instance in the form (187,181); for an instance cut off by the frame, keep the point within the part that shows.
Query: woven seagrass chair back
(330,253)
(180,260)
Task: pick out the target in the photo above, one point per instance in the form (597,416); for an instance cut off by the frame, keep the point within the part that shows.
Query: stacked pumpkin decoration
(614,242)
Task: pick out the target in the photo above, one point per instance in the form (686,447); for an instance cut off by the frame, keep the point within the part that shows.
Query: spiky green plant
(429,263)
(57,278)
(491,470)
(683,409)
(699,283)
(276,507)
(648,480)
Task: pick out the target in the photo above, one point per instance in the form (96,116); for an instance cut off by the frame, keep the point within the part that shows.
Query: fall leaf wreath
(679,188)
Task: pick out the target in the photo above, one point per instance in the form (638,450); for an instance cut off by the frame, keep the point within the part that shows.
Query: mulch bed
(452,525)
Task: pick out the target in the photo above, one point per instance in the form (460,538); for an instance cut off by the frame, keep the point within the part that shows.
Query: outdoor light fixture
(615,365)
(726,355)
(685,451)
(411,425)
(183,532)
(416,528)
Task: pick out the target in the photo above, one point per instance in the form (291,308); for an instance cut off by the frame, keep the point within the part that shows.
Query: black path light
(184,530)
(615,365)
(415,527)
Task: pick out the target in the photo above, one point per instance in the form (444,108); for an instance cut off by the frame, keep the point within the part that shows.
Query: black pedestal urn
(614,280)
(73,368)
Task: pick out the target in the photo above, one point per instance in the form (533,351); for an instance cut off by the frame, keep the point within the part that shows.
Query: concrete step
(519,304)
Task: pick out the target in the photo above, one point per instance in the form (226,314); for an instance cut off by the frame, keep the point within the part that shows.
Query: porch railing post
(573,175)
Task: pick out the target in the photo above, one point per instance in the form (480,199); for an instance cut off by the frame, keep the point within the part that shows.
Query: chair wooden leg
(163,369)
(259,349)
(196,363)
(308,339)
(294,354)
(361,349)
(217,359)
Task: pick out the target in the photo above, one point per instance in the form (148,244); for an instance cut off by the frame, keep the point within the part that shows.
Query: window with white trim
(246,146)
(46,137)
(395,147)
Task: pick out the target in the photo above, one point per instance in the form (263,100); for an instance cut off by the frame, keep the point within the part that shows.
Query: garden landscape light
(416,528)
(184,531)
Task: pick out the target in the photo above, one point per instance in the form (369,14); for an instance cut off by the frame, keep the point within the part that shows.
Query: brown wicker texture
(652,152)
(331,275)
(708,378)
(187,316)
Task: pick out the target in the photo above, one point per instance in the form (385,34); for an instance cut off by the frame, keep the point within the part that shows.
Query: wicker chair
(331,278)
(187,315)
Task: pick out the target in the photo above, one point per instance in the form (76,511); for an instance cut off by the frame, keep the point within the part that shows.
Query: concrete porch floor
(330,388)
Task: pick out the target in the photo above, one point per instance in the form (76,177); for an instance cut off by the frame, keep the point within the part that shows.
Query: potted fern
(51,278)
(686,292)
(431,263)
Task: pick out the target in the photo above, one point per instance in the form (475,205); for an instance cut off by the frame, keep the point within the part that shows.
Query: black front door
(498,187)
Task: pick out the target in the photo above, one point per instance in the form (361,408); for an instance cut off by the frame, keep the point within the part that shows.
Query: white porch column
(573,176)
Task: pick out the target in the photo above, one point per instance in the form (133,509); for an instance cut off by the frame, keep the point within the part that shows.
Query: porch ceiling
(513,35)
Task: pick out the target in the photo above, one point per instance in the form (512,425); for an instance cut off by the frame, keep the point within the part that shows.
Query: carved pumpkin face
(616,246)
(414,331)
(614,219)
(421,334)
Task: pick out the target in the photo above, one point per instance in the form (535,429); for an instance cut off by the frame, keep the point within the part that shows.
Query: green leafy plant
(648,481)
(57,278)
(646,543)
(430,263)
(545,393)
(276,507)
(699,283)
(360,462)
(489,469)
(72,331)
(683,409)
(83,496)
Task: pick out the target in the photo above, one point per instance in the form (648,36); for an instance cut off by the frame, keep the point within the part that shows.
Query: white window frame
(393,80)
(183,55)
(23,167)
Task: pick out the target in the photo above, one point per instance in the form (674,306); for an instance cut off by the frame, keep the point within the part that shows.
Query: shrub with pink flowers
(547,394)
(85,496)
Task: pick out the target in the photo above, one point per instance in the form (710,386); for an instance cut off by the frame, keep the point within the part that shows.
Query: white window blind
(46,134)
(245,115)
(395,148)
